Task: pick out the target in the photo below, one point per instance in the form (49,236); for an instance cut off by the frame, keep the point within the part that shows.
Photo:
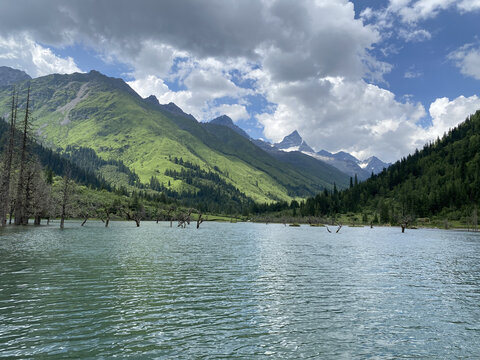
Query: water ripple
(241,291)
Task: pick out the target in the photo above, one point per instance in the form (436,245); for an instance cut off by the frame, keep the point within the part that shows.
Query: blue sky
(368,77)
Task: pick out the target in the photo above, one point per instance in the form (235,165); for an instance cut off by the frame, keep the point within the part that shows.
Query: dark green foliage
(57,164)
(443,178)
(213,195)
(88,159)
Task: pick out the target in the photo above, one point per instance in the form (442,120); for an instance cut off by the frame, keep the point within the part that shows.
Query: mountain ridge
(342,160)
(9,76)
(95,111)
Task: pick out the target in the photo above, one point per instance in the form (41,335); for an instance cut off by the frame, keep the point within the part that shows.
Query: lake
(240,291)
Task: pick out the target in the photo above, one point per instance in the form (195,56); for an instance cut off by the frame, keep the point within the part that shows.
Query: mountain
(373,165)
(344,162)
(311,168)
(441,181)
(341,160)
(228,122)
(343,156)
(9,76)
(159,142)
(294,142)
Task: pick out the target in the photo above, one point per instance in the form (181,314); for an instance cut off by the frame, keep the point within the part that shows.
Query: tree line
(442,179)
(39,183)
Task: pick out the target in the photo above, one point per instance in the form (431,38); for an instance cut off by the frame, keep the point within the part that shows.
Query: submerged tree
(134,211)
(184,218)
(21,217)
(66,192)
(7,165)
(200,219)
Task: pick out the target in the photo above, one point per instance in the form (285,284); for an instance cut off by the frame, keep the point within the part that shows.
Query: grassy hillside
(106,115)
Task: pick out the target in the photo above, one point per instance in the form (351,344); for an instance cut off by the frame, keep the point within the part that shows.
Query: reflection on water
(238,291)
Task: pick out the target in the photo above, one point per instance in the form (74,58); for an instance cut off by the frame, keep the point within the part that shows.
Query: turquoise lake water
(238,291)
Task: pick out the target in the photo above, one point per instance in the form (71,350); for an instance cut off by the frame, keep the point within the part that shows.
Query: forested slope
(441,179)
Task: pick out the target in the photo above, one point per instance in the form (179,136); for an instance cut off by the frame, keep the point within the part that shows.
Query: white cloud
(206,82)
(235,111)
(421,9)
(22,52)
(411,73)
(415,11)
(415,35)
(353,116)
(468,5)
(467,59)
(149,85)
(308,58)
(447,114)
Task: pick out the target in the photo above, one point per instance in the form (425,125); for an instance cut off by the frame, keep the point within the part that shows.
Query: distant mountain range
(343,161)
(293,142)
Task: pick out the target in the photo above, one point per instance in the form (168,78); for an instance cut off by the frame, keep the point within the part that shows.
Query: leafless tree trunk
(199,220)
(170,212)
(107,218)
(20,212)
(7,166)
(184,219)
(29,191)
(132,215)
(65,197)
(475,219)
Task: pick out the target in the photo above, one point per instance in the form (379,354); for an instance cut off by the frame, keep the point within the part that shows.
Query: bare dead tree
(130,215)
(158,214)
(66,193)
(107,209)
(30,178)
(7,165)
(87,210)
(41,200)
(405,221)
(475,219)
(200,220)
(170,212)
(20,212)
(134,211)
(184,218)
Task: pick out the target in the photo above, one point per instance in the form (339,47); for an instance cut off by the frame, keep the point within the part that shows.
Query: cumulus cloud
(23,53)
(420,9)
(235,111)
(205,82)
(468,5)
(467,59)
(311,60)
(353,116)
(447,114)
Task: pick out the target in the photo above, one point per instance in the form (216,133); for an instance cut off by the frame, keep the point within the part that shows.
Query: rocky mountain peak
(152,99)
(294,142)
(9,76)
(225,120)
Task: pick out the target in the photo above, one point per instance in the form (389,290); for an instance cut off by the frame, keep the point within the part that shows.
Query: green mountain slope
(106,115)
